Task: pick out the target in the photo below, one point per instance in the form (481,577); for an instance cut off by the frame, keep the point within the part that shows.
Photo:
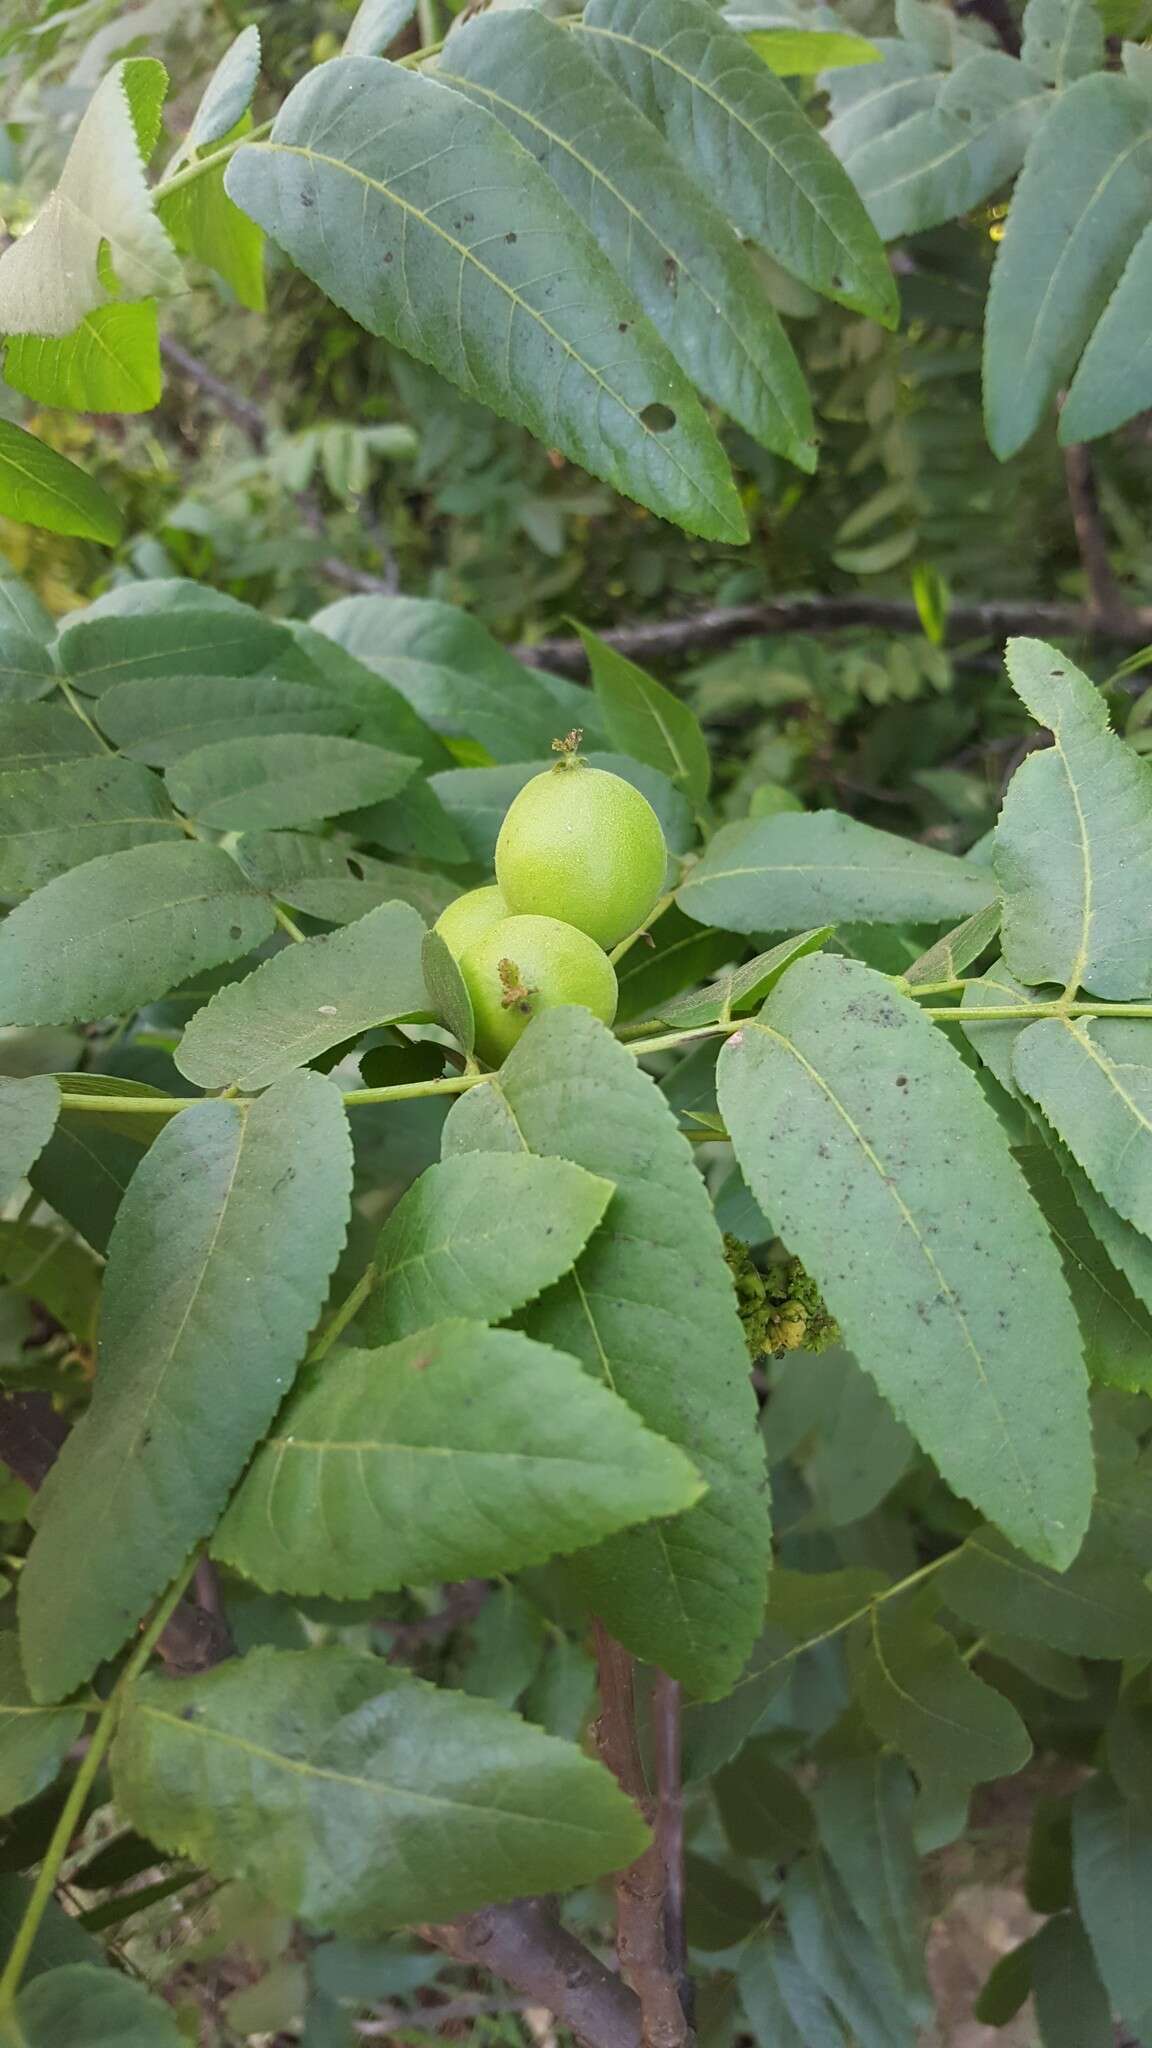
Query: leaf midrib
(516,299)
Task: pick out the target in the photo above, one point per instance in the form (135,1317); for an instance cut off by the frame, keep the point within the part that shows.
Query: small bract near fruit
(469,917)
(528,964)
(583,845)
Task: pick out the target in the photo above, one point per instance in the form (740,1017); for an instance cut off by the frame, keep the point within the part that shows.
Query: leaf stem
(934,988)
(74,704)
(287,924)
(190,172)
(352,1303)
(1010,1013)
(82,1784)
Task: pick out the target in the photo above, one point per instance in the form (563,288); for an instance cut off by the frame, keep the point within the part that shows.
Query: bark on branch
(707,632)
(525,1944)
(641,1936)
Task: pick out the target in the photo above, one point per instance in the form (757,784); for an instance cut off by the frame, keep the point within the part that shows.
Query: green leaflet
(287,778)
(203,222)
(1063,39)
(40,488)
(226,97)
(742,987)
(358,1798)
(645,720)
(449,668)
(1097,1608)
(57,815)
(1057,267)
(448,991)
(34,1740)
(863,1136)
(958,950)
(1112,1859)
(84,2006)
(382,712)
(917,1693)
(85,1169)
(804,868)
(749,143)
(32,734)
(764,1811)
(179,638)
(864,1806)
(44,1265)
(784,2006)
(359,183)
(50,277)
(945,158)
(333,880)
(123,929)
(1073,846)
(1115,1323)
(1093,1080)
(159,718)
(1113,380)
(307,998)
(193,1360)
(481,1235)
(693,279)
(838,1953)
(650,1310)
(27,670)
(109,363)
(28,1112)
(1073,2009)
(375,24)
(457,1453)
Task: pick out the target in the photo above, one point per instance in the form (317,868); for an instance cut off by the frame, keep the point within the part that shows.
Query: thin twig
(667,1749)
(1105,598)
(430,2018)
(525,1944)
(708,631)
(641,1941)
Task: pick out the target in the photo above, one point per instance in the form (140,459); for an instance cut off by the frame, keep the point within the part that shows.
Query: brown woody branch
(707,632)
(641,1937)
(525,1944)
(1105,598)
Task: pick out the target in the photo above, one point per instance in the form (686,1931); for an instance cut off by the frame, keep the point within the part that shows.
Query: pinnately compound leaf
(864,1137)
(357,1797)
(194,1359)
(1073,847)
(457,1453)
(418,213)
(649,1308)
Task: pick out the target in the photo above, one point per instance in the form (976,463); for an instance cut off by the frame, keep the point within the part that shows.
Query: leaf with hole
(696,283)
(419,214)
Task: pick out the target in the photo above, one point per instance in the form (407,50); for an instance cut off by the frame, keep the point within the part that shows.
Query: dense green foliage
(742,1279)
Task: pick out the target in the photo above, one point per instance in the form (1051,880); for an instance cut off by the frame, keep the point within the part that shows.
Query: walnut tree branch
(1105,598)
(525,1945)
(641,1937)
(706,632)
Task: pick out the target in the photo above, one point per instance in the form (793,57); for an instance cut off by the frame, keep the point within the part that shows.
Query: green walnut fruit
(528,964)
(469,917)
(582,845)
